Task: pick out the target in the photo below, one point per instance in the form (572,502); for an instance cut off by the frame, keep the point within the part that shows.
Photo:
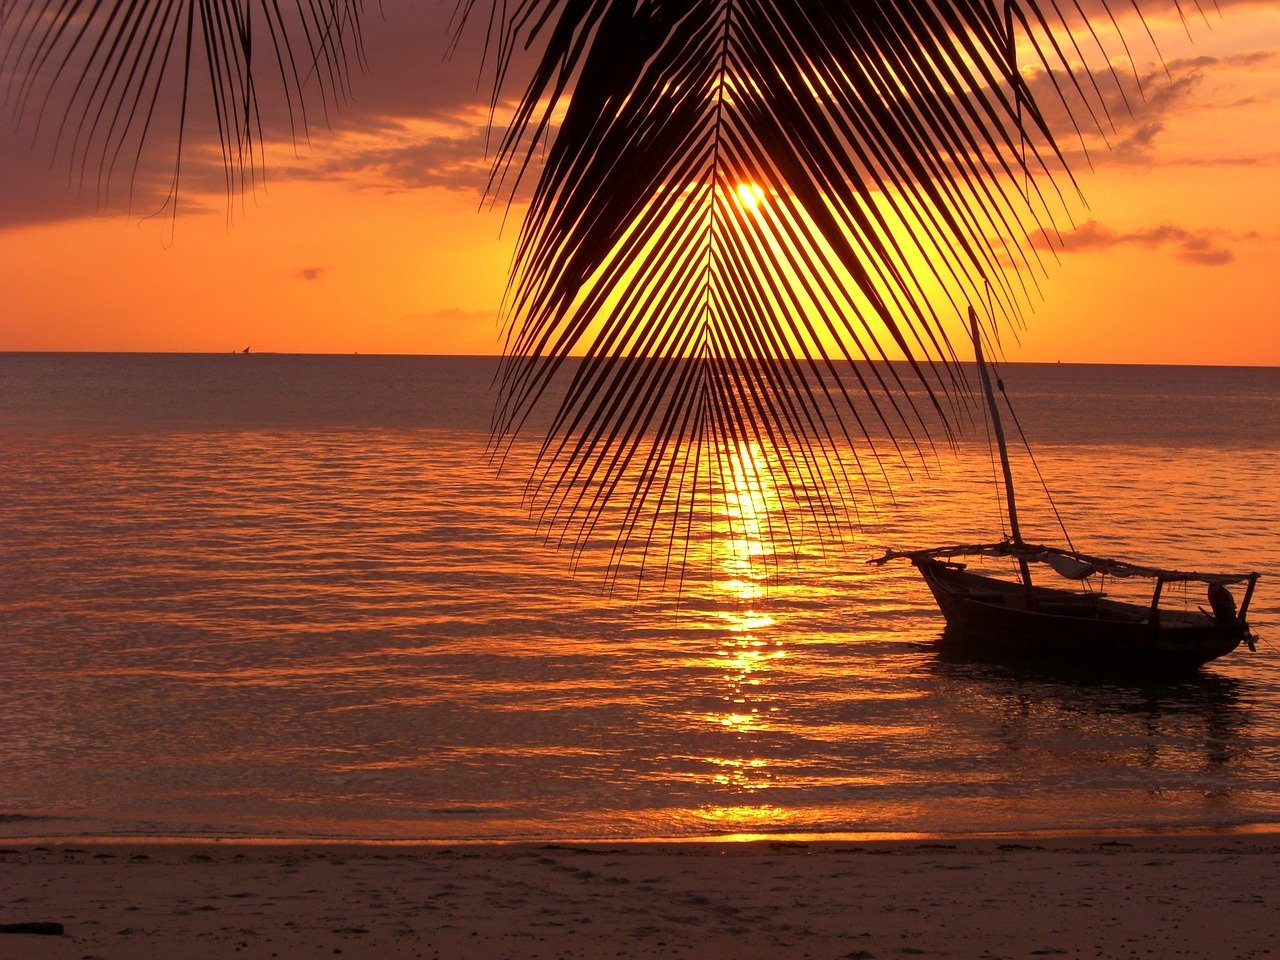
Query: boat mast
(1014,530)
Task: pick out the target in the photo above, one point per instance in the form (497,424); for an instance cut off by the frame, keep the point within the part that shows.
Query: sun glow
(750,196)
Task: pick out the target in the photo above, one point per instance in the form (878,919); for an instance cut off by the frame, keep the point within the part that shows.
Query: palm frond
(745,208)
(108,73)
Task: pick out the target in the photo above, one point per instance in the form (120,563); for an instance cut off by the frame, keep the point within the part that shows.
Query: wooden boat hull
(1067,626)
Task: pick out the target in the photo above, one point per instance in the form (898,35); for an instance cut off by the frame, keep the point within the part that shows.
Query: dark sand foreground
(1161,897)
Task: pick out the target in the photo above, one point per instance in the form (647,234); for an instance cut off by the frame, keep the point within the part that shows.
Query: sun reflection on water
(747,651)
(742,532)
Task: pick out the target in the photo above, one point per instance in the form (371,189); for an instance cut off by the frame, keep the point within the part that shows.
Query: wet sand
(1207,896)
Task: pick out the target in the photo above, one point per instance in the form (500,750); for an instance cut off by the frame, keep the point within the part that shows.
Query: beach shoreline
(1113,894)
(817,840)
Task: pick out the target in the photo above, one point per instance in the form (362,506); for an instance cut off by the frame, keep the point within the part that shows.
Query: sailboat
(1076,624)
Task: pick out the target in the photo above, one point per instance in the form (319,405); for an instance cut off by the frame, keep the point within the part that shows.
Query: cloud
(1204,247)
(1133,107)
(418,118)
(447,149)
(48,175)
(1129,110)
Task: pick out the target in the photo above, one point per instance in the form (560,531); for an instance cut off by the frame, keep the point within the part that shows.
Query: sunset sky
(375,238)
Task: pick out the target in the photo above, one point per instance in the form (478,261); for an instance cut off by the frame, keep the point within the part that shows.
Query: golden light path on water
(747,652)
(357,631)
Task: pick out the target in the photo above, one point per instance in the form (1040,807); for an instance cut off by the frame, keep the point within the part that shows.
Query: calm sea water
(288,596)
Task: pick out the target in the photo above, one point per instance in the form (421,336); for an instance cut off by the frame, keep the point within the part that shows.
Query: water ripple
(357,630)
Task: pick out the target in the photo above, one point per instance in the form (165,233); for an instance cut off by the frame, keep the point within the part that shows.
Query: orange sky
(373,238)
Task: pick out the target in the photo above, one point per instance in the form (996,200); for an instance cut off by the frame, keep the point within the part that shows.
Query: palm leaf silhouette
(107,73)
(746,205)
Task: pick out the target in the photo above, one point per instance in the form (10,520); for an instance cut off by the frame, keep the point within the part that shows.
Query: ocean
(291,597)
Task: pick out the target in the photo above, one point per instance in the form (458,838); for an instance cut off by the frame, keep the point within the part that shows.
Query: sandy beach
(1145,896)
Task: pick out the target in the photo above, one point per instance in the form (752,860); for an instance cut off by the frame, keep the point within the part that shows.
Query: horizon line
(498,356)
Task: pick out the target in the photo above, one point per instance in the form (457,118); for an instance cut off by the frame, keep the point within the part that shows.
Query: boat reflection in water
(1194,721)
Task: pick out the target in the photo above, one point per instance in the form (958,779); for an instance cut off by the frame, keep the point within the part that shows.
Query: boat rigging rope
(1027,446)
(995,476)
(1001,510)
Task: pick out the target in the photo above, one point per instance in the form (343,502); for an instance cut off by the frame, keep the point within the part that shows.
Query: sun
(750,195)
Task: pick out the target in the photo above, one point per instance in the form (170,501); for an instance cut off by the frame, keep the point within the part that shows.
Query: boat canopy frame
(1072,564)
